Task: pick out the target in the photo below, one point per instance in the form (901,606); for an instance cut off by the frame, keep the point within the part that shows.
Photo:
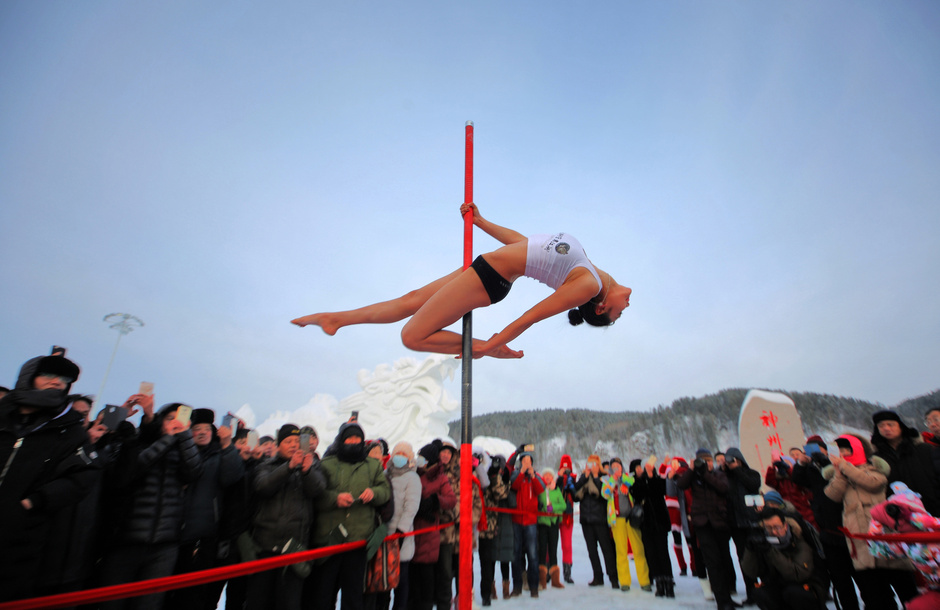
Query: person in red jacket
(527,486)
(779,476)
(436,495)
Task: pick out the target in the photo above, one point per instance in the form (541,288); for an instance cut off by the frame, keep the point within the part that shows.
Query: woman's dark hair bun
(588,313)
(575,317)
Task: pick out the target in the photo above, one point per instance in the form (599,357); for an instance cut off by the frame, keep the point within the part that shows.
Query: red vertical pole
(465,540)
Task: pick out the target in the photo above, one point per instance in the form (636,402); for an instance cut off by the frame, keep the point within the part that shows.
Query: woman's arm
(569,295)
(502,234)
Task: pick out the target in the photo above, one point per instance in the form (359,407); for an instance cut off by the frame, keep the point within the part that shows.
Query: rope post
(465,540)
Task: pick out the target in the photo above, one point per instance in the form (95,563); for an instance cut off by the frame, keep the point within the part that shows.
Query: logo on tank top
(559,246)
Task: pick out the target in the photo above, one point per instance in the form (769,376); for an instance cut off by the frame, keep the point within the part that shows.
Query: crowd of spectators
(90,500)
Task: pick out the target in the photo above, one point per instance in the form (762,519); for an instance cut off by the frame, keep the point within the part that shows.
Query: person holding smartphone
(286,488)
(742,481)
(163,460)
(527,486)
(201,547)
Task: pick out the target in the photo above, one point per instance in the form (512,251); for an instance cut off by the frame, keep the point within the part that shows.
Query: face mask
(399,461)
(422,461)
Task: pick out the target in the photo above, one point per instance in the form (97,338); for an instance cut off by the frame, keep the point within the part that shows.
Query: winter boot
(525,581)
(568,578)
(660,587)
(543,577)
(670,586)
(493,591)
(505,589)
(706,589)
(555,574)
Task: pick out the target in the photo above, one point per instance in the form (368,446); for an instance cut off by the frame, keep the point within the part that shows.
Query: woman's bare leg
(424,331)
(384,312)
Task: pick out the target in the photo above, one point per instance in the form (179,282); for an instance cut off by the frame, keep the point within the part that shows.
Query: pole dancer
(558,260)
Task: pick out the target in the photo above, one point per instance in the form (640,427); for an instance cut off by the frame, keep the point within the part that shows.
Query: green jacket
(557,499)
(359,519)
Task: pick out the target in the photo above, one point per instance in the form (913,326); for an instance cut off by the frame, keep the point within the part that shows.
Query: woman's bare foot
(330,323)
(505,352)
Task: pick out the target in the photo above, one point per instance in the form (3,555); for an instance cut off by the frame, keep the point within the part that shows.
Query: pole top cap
(469,123)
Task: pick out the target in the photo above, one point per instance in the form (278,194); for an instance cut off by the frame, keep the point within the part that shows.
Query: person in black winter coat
(594,522)
(201,546)
(711,521)
(828,514)
(159,465)
(743,481)
(910,459)
(286,487)
(649,490)
(76,541)
(43,468)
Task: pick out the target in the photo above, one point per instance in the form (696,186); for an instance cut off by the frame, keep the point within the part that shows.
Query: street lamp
(123,323)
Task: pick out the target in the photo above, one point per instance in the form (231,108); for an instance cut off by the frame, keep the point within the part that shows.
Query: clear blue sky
(763,174)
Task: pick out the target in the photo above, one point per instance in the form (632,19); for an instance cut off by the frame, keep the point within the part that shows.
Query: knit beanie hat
(565,462)
(350,429)
(431,452)
(287,430)
(773,496)
(703,453)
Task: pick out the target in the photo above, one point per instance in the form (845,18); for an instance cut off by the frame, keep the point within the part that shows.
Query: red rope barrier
(925,537)
(179,581)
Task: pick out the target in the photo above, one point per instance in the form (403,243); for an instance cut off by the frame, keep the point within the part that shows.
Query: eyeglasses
(65,380)
(776,529)
(932,420)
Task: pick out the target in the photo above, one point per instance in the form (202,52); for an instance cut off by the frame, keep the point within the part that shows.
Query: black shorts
(496,286)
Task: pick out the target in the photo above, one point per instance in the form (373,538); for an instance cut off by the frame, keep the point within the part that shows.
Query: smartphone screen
(146,388)
(227,420)
(305,442)
(354,416)
(113,416)
(183,413)
(252,439)
(811,448)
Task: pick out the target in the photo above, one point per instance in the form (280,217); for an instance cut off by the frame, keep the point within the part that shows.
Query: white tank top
(550,258)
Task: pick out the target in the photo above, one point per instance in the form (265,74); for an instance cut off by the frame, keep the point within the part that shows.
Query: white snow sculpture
(403,401)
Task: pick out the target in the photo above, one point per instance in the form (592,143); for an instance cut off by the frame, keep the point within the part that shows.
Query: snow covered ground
(580,596)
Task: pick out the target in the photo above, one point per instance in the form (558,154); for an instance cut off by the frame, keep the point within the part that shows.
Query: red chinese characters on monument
(769,420)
